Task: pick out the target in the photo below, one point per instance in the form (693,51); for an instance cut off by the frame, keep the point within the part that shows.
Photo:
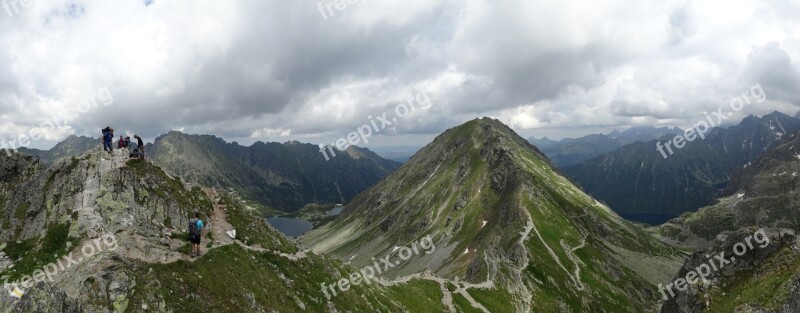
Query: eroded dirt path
(447,299)
(149,251)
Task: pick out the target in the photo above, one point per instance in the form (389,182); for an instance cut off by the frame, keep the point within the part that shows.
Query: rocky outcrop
(96,198)
(729,271)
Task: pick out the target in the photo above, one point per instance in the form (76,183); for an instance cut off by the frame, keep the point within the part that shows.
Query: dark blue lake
(291,227)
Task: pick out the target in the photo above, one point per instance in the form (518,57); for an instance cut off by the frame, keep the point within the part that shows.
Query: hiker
(140,145)
(135,154)
(108,137)
(127,142)
(195,233)
(121,142)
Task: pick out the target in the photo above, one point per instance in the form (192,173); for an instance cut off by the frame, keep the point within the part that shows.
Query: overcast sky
(305,70)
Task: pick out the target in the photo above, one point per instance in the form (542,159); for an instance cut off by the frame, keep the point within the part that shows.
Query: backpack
(194,232)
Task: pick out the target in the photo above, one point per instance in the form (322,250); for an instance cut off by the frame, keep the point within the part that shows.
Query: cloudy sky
(279,70)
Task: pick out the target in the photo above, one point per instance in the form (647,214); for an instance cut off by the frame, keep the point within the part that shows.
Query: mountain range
(69,147)
(569,151)
(640,184)
(508,231)
(282,176)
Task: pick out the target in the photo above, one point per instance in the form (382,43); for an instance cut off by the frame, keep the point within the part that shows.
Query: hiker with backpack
(121,143)
(140,145)
(108,137)
(195,233)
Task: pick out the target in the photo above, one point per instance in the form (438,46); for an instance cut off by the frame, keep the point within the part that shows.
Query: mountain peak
(495,208)
(485,135)
(777,114)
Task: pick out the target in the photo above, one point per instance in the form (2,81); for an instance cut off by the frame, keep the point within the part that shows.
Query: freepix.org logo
(712,119)
(377,124)
(367,274)
(107,242)
(702,273)
(12,6)
(55,123)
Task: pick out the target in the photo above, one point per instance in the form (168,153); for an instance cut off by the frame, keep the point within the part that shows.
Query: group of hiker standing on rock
(124,143)
(196,225)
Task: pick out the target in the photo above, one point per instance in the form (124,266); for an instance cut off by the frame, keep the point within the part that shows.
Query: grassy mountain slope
(507,225)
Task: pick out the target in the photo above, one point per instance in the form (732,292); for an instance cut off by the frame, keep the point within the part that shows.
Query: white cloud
(276,70)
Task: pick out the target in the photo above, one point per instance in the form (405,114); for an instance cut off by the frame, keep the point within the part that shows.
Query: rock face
(83,200)
(285,176)
(762,279)
(94,190)
(763,193)
(506,224)
(637,182)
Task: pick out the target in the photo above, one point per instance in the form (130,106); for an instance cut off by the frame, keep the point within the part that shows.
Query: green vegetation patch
(495,300)
(232,279)
(170,188)
(770,291)
(33,254)
(419,296)
(463,305)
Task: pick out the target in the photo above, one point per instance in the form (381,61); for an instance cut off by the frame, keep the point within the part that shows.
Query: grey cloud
(772,67)
(278,65)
